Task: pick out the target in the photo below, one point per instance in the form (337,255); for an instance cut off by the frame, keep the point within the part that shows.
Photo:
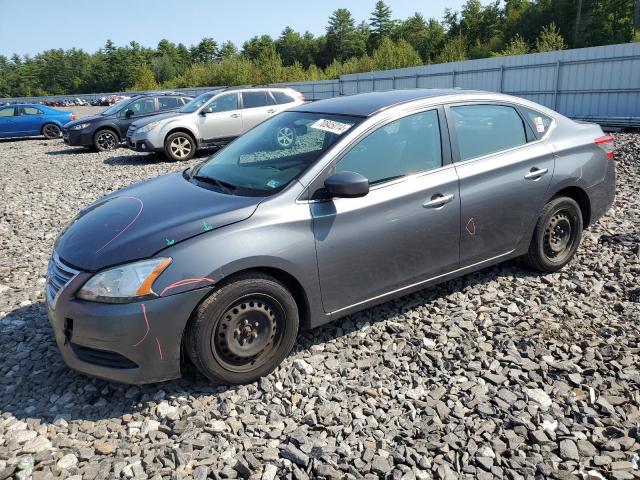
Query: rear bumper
(129,343)
(77,138)
(602,195)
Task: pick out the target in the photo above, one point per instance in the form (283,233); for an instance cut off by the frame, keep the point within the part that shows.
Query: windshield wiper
(228,187)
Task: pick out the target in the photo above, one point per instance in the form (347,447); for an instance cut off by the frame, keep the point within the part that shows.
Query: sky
(31,26)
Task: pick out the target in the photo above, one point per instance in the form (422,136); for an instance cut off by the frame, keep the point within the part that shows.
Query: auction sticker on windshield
(331,126)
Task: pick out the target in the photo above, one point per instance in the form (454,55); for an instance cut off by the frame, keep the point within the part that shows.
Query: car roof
(367,104)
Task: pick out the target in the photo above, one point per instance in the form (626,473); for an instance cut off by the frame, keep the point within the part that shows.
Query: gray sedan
(380,195)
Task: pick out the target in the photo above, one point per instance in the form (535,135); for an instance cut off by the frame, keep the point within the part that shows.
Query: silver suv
(213,119)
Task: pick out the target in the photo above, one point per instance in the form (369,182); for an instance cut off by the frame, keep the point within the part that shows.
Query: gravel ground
(500,374)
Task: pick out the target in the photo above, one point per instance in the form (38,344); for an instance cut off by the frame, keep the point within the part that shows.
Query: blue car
(26,120)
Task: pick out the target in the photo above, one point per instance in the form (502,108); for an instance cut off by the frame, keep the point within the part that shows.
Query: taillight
(73,117)
(606,144)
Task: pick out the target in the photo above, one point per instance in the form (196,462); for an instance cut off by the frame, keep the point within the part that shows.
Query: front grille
(102,358)
(58,276)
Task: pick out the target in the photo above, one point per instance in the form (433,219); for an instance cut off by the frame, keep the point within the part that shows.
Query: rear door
(505,173)
(257,106)
(405,230)
(220,119)
(8,126)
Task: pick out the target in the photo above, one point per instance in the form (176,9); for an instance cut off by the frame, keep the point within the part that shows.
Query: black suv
(108,129)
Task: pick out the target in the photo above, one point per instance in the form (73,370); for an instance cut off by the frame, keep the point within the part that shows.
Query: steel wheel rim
(106,141)
(240,345)
(180,147)
(285,137)
(559,238)
(51,131)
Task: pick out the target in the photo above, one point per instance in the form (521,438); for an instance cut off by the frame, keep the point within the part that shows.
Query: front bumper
(142,142)
(78,138)
(130,343)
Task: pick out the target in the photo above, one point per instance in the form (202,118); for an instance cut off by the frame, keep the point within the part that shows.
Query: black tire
(179,146)
(285,137)
(557,235)
(105,139)
(51,131)
(243,330)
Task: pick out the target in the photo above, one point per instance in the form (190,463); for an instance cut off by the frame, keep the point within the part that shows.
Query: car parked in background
(26,120)
(383,194)
(213,119)
(107,130)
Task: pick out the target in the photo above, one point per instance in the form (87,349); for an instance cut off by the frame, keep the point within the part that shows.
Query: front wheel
(179,146)
(105,139)
(243,330)
(557,235)
(51,131)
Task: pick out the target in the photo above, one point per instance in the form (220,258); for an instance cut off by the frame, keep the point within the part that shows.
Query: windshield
(267,158)
(116,107)
(197,102)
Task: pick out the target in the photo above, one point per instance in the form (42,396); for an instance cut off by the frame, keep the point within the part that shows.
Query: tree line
(508,27)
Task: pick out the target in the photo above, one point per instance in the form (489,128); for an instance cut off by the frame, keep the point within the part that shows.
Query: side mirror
(347,185)
(129,113)
(206,110)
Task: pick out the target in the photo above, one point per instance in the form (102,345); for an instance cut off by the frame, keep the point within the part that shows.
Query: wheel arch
(581,197)
(182,130)
(107,127)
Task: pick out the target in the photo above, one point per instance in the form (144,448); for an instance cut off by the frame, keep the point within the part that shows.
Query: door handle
(271,110)
(438,201)
(536,173)
(235,115)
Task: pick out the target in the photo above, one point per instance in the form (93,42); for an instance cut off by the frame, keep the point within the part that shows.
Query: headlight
(126,283)
(80,126)
(148,127)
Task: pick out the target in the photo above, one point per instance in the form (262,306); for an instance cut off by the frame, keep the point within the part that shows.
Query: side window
(167,103)
(282,97)
(256,99)
(142,106)
(403,147)
(539,122)
(31,111)
(225,103)
(7,112)
(485,129)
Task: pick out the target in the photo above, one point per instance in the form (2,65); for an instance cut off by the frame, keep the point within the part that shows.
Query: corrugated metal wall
(598,83)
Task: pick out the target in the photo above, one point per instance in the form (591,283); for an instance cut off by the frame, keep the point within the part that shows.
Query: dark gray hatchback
(381,194)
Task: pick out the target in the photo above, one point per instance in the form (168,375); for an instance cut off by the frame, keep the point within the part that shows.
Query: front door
(405,230)
(220,119)
(144,107)
(504,173)
(8,125)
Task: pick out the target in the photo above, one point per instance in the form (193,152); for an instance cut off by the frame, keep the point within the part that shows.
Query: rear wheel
(179,146)
(51,131)
(557,235)
(105,139)
(243,330)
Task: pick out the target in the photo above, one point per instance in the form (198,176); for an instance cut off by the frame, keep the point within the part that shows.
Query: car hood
(154,118)
(139,221)
(92,118)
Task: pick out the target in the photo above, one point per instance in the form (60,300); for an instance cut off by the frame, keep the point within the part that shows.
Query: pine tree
(381,24)
(145,79)
(549,39)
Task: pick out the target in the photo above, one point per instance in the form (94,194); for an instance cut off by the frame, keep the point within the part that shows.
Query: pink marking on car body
(125,228)
(146,321)
(471,226)
(186,281)
(159,349)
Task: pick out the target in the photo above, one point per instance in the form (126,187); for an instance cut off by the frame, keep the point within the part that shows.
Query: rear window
(539,122)
(484,129)
(167,103)
(282,97)
(256,99)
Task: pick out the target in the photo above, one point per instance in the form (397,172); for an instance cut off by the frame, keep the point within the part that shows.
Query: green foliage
(145,80)
(549,39)
(478,30)
(517,46)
